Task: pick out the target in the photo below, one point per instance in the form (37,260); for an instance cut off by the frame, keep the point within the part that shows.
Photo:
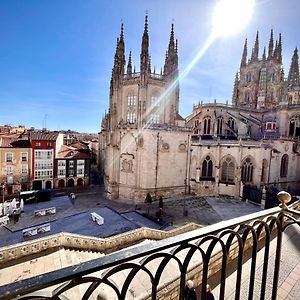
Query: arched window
(196,131)
(227,174)
(248,77)
(207,168)
(154,118)
(295,126)
(284,165)
(131,117)
(219,125)
(264,171)
(231,125)
(154,101)
(247,170)
(131,100)
(247,96)
(207,125)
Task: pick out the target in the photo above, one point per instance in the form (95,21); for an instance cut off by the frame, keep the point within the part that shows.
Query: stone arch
(264,171)
(207,125)
(294,126)
(213,160)
(284,165)
(48,185)
(247,169)
(61,183)
(80,182)
(219,122)
(228,165)
(70,182)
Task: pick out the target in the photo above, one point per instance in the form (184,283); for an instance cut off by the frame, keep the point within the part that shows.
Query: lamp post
(3,192)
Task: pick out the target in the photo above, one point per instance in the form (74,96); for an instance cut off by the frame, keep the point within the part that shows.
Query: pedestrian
(209,295)
(189,292)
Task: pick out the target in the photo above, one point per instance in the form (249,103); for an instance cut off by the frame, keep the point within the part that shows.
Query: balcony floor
(289,276)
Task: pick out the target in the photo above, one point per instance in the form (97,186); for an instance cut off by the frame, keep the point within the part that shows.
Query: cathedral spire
(244,56)
(293,78)
(279,50)
(145,49)
(129,65)
(121,51)
(264,55)
(271,45)
(171,62)
(256,48)
(235,94)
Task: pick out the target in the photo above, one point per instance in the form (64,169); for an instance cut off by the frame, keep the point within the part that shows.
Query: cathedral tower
(260,81)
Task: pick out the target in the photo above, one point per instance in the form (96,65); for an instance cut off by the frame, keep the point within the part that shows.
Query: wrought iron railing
(215,246)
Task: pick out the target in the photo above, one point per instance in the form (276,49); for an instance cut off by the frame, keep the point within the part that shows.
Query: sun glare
(231,16)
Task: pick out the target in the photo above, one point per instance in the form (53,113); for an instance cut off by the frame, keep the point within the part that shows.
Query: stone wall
(80,242)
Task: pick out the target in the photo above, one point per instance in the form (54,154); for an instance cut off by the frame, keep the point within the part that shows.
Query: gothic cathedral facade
(146,146)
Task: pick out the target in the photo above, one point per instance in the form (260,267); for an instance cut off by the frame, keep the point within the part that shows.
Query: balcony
(240,258)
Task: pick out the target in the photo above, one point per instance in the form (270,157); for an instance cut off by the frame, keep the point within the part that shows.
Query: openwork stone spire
(244,56)
(293,78)
(129,65)
(271,45)
(171,62)
(145,48)
(255,49)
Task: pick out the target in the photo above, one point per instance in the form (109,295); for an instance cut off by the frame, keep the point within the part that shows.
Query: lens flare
(231,16)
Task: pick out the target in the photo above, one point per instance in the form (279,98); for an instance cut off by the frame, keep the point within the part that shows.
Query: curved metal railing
(201,253)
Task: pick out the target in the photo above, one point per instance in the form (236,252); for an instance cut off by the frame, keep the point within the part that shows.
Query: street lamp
(3,192)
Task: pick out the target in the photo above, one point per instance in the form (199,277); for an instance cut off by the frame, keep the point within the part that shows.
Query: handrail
(276,217)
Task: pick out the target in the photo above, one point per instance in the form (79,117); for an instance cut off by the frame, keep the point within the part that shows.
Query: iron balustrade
(257,228)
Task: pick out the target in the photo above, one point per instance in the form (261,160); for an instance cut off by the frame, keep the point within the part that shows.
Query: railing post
(284,198)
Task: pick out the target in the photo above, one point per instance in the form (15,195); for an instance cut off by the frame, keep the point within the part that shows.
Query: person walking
(209,295)
(189,292)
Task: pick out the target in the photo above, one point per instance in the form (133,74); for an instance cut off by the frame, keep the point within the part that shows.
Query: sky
(56,56)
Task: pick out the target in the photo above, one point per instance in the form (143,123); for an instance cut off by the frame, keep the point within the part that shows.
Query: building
(15,160)
(220,149)
(143,129)
(72,166)
(44,145)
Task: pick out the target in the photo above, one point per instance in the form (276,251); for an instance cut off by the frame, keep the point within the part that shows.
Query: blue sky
(56,56)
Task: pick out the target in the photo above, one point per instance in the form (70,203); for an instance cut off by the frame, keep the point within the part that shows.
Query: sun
(232,16)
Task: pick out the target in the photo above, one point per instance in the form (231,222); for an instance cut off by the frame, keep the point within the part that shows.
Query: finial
(284,198)
(146,22)
(271,45)
(122,32)
(264,54)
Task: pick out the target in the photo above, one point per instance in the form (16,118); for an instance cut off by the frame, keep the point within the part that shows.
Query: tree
(148,200)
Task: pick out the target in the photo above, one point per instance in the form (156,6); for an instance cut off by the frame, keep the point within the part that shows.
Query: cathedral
(220,149)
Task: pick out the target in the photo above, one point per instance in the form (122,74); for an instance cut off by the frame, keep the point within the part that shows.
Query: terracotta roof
(73,155)
(6,139)
(75,151)
(43,135)
(79,146)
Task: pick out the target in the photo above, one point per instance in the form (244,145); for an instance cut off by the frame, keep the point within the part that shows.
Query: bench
(97,218)
(31,231)
(4,221)
(45,211)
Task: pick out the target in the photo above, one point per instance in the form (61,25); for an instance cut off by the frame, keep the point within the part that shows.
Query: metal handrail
(72,273)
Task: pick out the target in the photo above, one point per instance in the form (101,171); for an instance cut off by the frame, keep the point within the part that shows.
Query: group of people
(190,292)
